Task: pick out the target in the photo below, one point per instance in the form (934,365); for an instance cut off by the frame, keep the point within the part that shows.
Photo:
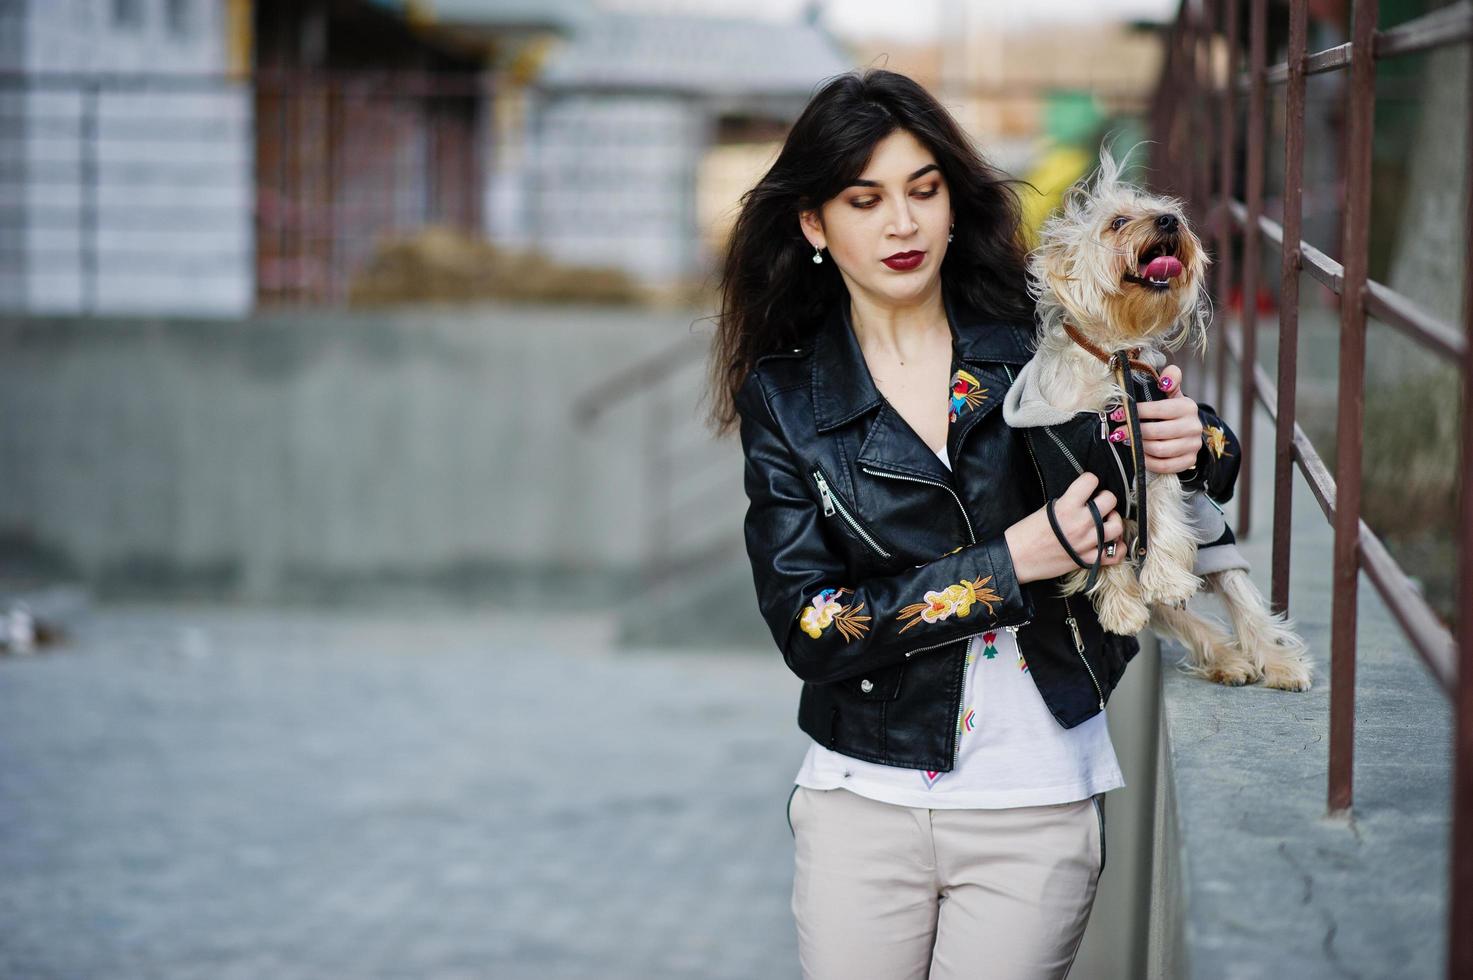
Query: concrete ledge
(1252,878)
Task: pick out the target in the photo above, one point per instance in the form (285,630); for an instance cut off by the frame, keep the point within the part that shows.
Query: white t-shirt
(1012,751)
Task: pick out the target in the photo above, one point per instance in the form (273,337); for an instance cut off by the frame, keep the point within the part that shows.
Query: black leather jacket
(874,564)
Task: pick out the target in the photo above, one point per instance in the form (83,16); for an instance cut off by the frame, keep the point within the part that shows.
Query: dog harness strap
(1137,453)
(1132,354)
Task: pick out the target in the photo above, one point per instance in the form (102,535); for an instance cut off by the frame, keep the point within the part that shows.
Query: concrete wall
(1116,942)
(1428,261)
(292,457)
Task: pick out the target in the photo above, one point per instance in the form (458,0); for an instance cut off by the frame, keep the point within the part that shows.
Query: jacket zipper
(934,483)
(1064,449)
(831,503)
(943,643)
(961,706)
(1120,468)
(956,740)
(956,737)
(1068,610)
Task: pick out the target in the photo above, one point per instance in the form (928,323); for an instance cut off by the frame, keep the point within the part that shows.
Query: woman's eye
(869,202)
(1119,223)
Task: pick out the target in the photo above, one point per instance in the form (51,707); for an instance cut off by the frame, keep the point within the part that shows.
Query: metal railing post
(1201,40)
(1228,150)
(1252,254)
(1460,847)
(1202,153)
(1350,414)
(1290,263)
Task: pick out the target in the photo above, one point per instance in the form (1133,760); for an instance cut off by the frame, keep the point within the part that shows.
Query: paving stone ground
(252,793)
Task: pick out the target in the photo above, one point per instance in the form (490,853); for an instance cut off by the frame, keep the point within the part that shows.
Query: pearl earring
(817,255)
(950,236)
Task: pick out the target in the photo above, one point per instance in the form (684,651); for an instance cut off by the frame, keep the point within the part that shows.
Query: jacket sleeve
(1218,461)
(827,626)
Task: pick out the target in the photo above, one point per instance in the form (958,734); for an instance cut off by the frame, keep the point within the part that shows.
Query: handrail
(1386,304)
(1193,75)
(1432,640)
(676,475)
(638,377)
(1437,28)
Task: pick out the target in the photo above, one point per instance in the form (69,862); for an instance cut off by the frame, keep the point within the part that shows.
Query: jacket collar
(842,386)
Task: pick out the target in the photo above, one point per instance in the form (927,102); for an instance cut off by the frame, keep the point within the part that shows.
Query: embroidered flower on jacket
(826,610)
(966,392)
(953,600)
(1216,440)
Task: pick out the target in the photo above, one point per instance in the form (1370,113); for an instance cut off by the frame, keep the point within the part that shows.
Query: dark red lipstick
(903,261)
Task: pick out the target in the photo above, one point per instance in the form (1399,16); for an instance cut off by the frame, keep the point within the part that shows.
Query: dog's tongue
(1163,267)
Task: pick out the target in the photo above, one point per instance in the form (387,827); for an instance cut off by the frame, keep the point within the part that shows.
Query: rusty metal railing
(1204,71)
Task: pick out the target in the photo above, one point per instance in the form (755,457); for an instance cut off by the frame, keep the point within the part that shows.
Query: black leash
(1094,512)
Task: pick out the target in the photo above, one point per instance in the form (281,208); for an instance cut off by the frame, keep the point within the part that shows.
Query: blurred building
(626,128)
(115,193)
(207,156)
(1038,98)
(365,126)
(210,156)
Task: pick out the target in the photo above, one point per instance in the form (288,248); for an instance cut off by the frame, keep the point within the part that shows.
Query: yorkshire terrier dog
(1118,277)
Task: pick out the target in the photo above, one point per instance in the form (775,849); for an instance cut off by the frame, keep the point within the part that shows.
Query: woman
(947,817)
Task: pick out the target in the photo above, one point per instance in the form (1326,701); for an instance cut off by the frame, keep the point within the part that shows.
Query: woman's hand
(1173,437)
(1037,553)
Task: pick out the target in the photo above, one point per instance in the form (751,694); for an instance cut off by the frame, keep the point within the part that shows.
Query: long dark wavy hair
(772,294)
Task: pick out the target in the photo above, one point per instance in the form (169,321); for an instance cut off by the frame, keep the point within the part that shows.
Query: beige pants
(895,892)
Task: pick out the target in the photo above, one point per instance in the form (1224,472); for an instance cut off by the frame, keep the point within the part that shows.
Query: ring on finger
(1110,550)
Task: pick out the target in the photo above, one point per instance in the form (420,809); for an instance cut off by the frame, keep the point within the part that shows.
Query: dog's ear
(1052,259)
(1069,285)
(1076,203)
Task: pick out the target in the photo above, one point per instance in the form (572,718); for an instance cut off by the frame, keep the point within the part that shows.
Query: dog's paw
(1232,673)
(1122,614)
(1169,584)
(1287,674)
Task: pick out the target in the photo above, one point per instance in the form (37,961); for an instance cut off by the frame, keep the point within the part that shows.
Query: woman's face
(899,205)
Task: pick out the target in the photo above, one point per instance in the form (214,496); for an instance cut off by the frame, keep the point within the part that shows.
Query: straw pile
(440,265)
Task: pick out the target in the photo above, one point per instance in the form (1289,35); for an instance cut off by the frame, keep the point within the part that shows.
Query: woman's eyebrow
(861,182)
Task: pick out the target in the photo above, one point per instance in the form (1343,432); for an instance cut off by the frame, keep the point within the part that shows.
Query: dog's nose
(1166,222)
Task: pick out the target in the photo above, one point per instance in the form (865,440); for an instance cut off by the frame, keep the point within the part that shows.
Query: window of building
(128,13)
(180,15)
